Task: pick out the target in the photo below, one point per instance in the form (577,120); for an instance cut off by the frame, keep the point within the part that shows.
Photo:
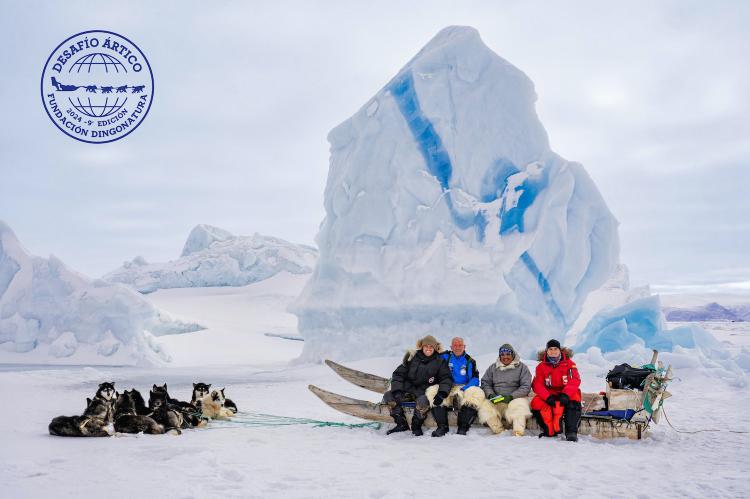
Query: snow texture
(50,314)
(233,460)
(214,257)
(446,211)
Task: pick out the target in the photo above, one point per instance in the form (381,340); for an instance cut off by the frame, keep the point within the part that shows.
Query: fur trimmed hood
(411,352)
(567,353)
(429,340)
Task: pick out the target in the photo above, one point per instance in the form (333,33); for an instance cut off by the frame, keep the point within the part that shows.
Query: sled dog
(170,418)
(212,406)
(92,423)
(127,419)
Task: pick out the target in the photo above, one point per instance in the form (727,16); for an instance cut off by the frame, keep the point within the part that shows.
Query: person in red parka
(557,386)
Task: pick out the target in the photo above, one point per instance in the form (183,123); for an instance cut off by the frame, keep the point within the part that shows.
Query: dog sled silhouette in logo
(97,86)
(97,108)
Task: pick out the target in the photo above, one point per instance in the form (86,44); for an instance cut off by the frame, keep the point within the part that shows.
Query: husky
(229,403)
(140,405)
(170,418)
(212,406)
(106,391)
(189,413)
(127,418)
(107,394)
(200,390)
(170,400)
(92,423)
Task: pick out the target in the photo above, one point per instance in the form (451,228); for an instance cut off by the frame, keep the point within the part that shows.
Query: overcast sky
(652,97)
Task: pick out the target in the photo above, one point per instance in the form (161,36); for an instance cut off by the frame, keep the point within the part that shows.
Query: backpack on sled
(627,377)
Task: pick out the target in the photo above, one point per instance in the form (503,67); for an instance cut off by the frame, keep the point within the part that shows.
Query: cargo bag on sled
(627,377)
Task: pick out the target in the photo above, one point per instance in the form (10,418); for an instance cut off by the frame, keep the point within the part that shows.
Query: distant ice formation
(49,313)
(214,257)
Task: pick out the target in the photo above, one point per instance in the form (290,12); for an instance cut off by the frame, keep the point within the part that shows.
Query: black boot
(397,413)
(416,423)
(466,417)
(572,419)
(440,414)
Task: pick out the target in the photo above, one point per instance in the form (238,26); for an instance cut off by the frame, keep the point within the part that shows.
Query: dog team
(435,380)
(129,413)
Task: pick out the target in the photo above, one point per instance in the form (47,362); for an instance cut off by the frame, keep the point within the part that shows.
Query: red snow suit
(554,380)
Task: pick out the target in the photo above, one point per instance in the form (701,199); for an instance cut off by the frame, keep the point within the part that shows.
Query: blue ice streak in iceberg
(439,164)
(544,286)
(431,147)
(530,187)
(496,179)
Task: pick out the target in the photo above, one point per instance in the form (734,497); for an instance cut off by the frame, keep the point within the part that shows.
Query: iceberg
(447,212)
(214,257)
(641,324)
(51,314)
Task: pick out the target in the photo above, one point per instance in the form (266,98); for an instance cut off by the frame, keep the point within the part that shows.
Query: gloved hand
(398,396)
(439,398)
(501,399)
(564,400)
(552,400)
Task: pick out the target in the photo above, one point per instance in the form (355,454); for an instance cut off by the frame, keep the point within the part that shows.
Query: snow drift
(214,257)
(49,313)
(447,212)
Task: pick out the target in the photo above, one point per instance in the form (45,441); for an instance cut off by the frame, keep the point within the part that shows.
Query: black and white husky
(212,406)
(129,420)
(228,403)
(200,390)
(93,422)
(107,393)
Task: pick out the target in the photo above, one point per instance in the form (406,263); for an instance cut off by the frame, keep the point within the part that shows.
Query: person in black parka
(417,372)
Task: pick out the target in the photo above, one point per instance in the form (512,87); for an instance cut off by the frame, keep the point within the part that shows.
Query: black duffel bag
(625,377)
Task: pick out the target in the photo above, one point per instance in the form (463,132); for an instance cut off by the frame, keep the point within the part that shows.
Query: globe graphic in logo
(98,107)
(86,62)
(97,86)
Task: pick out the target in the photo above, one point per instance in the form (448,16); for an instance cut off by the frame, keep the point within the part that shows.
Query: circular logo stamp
(97,86)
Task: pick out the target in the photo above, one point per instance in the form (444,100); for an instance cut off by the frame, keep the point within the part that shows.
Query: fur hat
(429,340)
(553,343)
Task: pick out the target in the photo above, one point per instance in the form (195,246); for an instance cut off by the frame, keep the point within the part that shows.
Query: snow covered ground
(304,461)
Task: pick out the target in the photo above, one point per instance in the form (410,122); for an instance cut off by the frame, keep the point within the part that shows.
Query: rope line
(251,419)
(697,431)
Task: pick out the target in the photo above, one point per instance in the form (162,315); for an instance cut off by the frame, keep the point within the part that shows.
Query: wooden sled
(378,384)
(595,426)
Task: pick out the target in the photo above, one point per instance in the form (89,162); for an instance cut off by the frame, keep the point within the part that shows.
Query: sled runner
(644,403)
